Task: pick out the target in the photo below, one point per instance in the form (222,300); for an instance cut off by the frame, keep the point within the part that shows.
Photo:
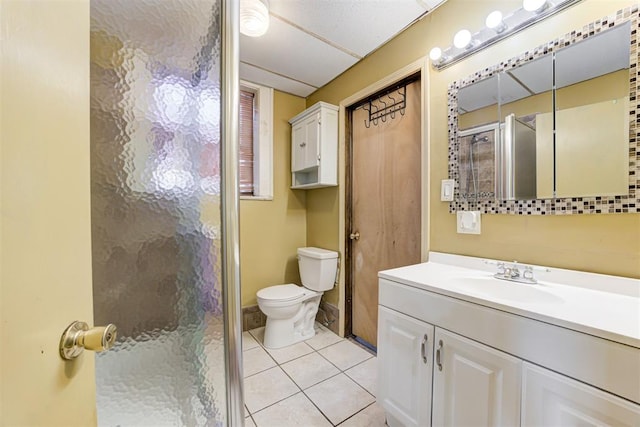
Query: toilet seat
(283,294)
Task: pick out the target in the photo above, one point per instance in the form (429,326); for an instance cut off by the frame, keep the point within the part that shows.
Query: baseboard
(328,316)
(252,318)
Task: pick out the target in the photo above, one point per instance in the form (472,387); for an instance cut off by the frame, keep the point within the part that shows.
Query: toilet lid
(281,292)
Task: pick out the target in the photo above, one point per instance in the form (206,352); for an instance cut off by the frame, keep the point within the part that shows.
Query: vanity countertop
(604,306)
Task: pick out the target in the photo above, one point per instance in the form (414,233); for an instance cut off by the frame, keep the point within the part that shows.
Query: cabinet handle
(423,348)
(438,353)
(303,144)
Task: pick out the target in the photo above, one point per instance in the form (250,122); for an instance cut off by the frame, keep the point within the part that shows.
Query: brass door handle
(355,236)
(78,336)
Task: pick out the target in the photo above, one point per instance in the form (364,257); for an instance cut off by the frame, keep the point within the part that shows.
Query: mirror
(592,123)
(526,96)
(478,140)
(519,139)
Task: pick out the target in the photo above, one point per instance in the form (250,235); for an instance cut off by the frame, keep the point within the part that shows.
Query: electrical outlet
(468,222)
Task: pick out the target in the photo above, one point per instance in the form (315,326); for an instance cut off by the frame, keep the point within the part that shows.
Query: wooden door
(46,228)
(385,203)
(405,362)
(474,385)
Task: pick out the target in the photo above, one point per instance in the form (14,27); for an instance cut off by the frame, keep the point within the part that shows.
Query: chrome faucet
(512,272)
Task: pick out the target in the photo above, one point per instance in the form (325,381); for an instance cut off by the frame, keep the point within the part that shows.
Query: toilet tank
(318,268)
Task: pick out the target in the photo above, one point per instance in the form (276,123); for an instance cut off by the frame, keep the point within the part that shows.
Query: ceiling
(310,42)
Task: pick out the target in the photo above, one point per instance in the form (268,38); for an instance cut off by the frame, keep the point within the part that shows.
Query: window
(256,146)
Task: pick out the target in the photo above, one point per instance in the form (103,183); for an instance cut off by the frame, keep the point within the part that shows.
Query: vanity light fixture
(435,54)
(254,17)
(462,39)
(497,27)
(534,5)
(494,22)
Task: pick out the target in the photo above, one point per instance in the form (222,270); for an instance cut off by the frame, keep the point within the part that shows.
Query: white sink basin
(511,291)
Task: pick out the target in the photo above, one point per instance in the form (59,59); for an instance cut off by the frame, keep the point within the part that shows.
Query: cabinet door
(311,148)
(405,350)
(474,385)
(298,144)
(550,399)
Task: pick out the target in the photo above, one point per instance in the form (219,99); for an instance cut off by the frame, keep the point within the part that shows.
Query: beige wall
(272,230)
(600,243)
(45,219)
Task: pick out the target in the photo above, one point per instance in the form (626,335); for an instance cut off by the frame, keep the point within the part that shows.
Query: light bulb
(534,5)
(435,53)
(254,17)
(462,39)
(494,22)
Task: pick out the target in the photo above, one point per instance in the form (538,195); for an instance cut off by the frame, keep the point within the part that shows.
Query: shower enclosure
(498,161)
(477,162)
(164,102)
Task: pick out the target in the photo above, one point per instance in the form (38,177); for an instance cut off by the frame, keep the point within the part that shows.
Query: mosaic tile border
(559,206)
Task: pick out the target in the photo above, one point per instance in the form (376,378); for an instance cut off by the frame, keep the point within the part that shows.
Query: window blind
(246,142)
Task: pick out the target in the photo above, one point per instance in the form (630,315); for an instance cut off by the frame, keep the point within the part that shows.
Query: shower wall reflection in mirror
(551,131)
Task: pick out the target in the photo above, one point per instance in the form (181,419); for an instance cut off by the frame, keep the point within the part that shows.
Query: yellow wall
(599,243)
(272,230)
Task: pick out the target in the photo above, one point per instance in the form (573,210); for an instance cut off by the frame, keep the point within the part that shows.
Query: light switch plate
(446,190)
(468,222)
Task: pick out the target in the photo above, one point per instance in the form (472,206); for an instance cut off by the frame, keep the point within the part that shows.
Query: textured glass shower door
(159,186)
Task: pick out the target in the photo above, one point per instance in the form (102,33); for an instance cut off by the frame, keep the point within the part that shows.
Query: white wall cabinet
(474,385)
(314,147)
(405,361)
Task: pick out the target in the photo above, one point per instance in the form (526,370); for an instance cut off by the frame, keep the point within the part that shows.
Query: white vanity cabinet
(314,147)
(497,362)
(405,361)
(474,384)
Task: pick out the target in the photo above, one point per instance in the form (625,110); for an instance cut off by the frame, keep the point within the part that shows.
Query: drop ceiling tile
(536,76)
(478,95)
(281,83)
(598,55)
(357,26)
(511,90)
(288,51)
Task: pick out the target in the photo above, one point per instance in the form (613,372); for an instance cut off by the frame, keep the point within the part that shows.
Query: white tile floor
(324,381)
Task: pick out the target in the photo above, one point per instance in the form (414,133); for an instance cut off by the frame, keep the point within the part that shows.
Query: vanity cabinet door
(551,399)
(405,360)
(474,385)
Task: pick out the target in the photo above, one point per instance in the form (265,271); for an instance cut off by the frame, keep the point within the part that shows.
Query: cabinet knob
(355,236)
(303,144)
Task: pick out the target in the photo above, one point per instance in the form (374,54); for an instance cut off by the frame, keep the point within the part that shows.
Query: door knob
(355,236)
(78,336)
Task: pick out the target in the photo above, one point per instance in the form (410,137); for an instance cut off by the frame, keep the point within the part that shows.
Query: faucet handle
(528,273)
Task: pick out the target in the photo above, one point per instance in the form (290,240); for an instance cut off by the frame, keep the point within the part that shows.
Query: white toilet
(291,309)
